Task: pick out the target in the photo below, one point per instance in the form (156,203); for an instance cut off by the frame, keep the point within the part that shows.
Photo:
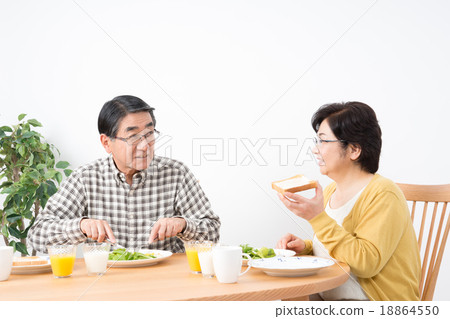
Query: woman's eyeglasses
(318,141)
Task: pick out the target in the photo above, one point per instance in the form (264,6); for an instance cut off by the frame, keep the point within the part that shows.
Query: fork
(131,250)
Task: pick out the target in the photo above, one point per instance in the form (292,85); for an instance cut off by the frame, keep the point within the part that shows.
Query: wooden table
(168,280)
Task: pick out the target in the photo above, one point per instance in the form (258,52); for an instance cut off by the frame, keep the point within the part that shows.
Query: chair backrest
(434,238)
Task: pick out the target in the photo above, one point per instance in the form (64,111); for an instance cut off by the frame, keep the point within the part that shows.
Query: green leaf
(28,134)
(21,149)
(50,174)
(34,174)
(2,133)
(7,190)
(8,203)
(16,233)
(6,129)
(5,231)
(43,201)
(41,166)
(21,116)
(58,177)
(22,248)
(67,172)
(10,211)
(28,214)
(31,159)
(34,122)
(6,184)
(18,246)
(40,191)
(62,164)
(51,189)
(13,218)
(17,199)
(29,203)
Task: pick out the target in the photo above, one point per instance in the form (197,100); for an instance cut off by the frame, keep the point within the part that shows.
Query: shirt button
(131,215)
(131,192)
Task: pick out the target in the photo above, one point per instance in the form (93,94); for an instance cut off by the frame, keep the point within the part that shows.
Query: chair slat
(427,269)
(422,224)
(431,285)
(438,236)
(413,210)
(431,261)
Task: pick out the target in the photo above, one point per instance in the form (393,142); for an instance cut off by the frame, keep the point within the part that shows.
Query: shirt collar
(120,177)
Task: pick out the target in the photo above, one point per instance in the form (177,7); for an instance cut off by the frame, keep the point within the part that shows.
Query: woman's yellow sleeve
(379,226)
(308,248)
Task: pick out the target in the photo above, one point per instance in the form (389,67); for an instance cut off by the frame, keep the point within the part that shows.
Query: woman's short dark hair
(115,110)
(354,123)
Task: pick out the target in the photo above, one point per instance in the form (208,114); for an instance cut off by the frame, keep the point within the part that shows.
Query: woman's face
(331,157)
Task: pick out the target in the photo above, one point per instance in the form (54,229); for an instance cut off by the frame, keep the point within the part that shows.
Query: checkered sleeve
(59,222)
(193,205)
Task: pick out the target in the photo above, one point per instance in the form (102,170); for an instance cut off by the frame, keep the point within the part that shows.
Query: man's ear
(355,151)
(106,142)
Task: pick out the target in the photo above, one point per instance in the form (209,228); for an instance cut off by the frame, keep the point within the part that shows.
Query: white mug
(227,262)
(6,259)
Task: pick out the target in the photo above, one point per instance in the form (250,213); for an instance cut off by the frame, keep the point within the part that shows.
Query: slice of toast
(29,261)
(294,184)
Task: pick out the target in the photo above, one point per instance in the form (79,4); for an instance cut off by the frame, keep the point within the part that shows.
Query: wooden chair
(435,238)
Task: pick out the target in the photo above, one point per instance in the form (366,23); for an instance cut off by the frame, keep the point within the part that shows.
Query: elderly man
(131,197)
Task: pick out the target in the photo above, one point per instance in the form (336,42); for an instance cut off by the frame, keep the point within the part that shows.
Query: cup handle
(248,263)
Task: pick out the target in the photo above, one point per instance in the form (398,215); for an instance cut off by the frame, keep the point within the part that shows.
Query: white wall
(239,72)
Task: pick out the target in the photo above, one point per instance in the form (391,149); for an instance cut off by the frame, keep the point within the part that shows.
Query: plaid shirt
(98,190)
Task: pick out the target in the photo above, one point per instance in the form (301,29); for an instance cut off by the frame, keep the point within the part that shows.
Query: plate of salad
(144,257)
(264,252)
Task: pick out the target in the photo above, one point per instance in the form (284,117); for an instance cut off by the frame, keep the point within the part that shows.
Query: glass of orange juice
(192,248)
(62,259)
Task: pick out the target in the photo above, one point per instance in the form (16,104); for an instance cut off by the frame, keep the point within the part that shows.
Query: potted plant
(29,175)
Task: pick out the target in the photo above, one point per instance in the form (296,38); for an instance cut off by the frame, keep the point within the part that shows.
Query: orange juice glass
(192,248)
(62,259)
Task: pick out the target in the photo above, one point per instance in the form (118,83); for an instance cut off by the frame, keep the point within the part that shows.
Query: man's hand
(291,242)
(166,227)
(302,206)
(97,229)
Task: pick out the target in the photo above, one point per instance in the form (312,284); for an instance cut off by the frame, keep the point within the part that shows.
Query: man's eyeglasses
(150,137)
(318,141)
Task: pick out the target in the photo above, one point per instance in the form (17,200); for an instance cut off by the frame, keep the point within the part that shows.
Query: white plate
(160,255)
(278,253)
(291,266)
(32,269)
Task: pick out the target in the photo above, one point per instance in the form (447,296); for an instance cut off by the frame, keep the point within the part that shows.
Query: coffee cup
(227,261)
(6,260)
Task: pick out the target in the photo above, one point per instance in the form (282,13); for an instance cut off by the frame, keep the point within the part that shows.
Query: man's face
(138,156)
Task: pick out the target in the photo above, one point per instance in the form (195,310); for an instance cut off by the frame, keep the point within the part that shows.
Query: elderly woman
(362,217)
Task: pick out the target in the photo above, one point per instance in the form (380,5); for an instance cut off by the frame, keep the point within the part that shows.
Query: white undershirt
(351,289)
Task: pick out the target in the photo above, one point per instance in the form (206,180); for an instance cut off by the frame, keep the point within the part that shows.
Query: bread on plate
(29,261)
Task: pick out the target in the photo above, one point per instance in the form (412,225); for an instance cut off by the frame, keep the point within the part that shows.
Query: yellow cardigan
(377,240)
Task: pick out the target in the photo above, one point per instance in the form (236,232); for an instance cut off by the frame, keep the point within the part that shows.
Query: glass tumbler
(62,259)
(96,257)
